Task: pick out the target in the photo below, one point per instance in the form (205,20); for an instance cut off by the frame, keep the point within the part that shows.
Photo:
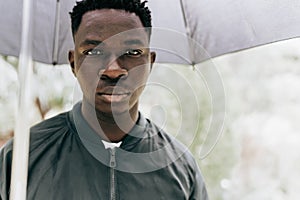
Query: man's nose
(113,71)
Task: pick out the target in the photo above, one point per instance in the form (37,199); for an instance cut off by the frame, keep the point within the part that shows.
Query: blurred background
(256,156)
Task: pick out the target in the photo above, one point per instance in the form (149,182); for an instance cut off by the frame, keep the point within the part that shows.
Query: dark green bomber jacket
(69,161)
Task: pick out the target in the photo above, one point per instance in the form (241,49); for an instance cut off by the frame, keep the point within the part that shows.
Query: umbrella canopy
(187,31)
(225,26)
(50,29)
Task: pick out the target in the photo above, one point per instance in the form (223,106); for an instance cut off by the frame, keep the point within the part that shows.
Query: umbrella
(186,32)
(219,26)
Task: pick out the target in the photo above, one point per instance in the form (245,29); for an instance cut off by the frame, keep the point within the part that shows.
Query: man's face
(111,59)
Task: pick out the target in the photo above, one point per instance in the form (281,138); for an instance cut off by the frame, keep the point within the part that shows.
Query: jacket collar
(92,141)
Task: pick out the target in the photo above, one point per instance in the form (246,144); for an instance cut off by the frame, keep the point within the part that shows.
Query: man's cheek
(79,60)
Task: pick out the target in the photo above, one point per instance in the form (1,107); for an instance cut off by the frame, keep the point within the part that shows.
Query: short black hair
(132,6)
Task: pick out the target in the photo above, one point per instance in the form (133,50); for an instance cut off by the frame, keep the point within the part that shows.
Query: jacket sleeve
(5,170)
(198,190)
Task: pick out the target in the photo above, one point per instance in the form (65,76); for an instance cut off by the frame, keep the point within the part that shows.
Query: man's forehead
(124,38)
(117,25)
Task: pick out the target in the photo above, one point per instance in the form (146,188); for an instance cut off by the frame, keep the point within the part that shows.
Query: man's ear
(152,58)
(71,61)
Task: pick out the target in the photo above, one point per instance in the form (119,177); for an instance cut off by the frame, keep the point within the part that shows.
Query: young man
(104,148)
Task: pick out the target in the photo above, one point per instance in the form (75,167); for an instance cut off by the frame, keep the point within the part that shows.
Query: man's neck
(110,127)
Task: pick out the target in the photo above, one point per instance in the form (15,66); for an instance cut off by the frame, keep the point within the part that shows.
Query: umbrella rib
(56,34)
(188,32)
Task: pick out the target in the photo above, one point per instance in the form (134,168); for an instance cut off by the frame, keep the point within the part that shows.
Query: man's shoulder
(49,129)
(50,124)
(171,144)
(43,130)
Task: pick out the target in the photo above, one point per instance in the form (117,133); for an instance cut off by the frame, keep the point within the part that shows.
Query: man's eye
(134,52)
(93,52)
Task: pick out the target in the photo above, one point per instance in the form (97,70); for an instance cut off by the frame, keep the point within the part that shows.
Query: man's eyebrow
(91,42)
(133,42)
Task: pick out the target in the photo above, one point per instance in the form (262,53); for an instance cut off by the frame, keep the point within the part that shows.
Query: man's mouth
(114,97)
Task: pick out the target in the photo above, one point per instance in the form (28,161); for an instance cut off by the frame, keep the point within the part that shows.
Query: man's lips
(111,94)
(114,98)
(110,98)
(112,90)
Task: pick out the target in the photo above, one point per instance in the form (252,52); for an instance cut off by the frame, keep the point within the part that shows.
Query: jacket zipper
(112,174)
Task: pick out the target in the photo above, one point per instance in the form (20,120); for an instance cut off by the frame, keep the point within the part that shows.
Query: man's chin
(112,111)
